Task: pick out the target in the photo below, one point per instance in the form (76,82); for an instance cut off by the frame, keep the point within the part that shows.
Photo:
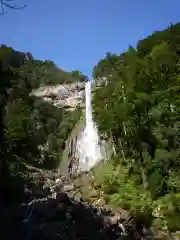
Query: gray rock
(66,95)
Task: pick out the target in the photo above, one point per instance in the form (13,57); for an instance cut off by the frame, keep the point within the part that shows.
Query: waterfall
(88,146)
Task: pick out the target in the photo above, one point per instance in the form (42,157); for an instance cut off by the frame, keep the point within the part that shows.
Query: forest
(138,106)
(32,131)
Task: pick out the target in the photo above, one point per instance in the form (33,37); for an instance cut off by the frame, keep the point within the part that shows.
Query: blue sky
(76,34)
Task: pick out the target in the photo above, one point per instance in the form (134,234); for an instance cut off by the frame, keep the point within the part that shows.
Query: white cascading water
(88,143)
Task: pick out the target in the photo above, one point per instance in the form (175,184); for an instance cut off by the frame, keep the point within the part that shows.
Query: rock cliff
(67,96)
(70,158)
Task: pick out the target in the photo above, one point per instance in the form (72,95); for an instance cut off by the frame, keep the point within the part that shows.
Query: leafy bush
(120,190)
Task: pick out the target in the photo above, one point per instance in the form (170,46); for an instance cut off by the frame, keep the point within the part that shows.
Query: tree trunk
(113,143)
(122,151)
(144,178)
(143,170)
(118,144)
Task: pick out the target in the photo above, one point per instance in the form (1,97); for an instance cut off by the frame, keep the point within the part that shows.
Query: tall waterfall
(88,143)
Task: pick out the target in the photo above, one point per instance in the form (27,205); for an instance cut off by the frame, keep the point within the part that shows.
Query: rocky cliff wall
(70,159)
(67,96)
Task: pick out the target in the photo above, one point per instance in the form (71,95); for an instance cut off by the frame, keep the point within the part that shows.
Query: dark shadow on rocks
(15,193)
(17,189)
(64,218)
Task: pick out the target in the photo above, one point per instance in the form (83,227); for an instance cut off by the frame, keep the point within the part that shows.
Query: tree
(140,92)
(77,74)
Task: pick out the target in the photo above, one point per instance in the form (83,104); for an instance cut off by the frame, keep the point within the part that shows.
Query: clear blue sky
(75,34)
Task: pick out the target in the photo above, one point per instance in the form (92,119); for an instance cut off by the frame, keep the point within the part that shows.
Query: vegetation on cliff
(138,107)
(32,130)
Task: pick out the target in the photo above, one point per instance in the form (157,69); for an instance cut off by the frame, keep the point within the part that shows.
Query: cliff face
(67,96)
(70,158)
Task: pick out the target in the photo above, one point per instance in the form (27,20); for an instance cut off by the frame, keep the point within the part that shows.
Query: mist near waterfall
(88,147)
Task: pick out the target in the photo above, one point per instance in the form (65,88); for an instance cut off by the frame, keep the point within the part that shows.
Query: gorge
(133,195)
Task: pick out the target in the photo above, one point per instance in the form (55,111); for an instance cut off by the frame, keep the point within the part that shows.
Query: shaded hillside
(47,71)
(139,107)
(32,131)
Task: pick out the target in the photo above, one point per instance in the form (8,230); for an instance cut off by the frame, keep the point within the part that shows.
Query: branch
(9,4)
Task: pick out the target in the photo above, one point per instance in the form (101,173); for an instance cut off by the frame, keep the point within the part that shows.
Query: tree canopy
(138,107)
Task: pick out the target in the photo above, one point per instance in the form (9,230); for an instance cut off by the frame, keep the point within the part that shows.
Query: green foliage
(167,212)
(120,189)
(78,75)
(138,108)
(32,131)
(37,72)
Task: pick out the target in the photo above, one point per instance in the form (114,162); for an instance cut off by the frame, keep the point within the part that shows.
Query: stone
(67,188)
(65,95)
(62,197)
